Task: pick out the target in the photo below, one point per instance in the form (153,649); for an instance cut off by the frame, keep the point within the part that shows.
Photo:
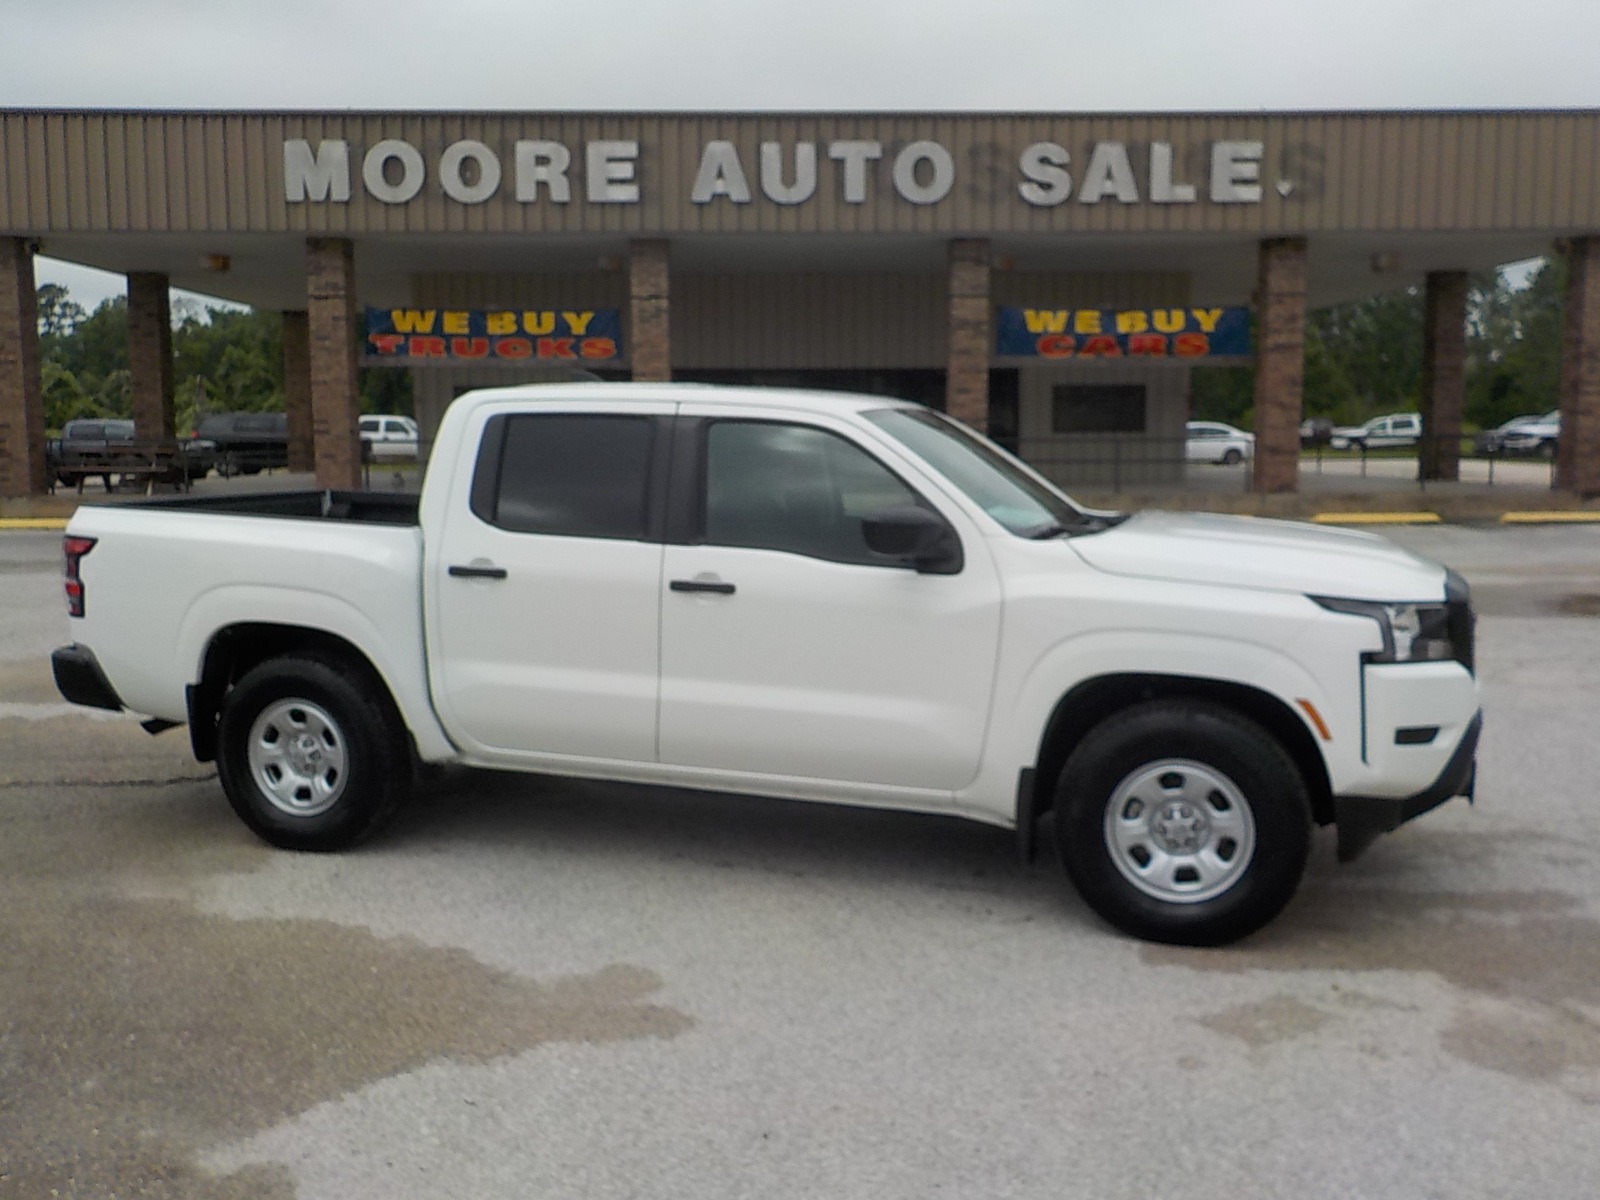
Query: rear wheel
(1232,457)
(310,754)
(1184,822)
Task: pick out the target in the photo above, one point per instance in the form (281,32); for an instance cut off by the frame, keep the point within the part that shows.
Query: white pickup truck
(817,596)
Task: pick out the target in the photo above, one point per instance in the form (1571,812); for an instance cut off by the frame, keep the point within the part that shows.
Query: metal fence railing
(1218,463)
(1434,459)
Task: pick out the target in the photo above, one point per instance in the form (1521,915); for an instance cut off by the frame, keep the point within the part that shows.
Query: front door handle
(702,585)
(478,572)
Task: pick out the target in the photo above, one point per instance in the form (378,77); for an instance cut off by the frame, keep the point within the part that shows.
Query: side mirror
(916,535)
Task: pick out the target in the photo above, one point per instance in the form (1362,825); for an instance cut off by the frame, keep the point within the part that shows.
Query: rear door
(545,590)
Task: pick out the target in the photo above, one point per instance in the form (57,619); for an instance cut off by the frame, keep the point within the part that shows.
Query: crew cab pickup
(823,597)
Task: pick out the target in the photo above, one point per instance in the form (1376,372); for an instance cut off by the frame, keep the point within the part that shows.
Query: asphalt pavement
(537,988)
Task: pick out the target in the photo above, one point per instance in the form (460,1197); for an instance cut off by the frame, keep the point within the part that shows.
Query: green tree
(58,315)
(1514,346)
(65,399)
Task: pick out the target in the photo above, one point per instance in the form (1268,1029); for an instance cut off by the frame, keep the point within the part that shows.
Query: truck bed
(380,508)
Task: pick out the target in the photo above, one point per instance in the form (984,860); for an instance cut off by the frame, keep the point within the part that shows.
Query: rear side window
(565,474)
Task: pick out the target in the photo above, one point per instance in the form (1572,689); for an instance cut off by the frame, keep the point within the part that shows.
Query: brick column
(1280,364)
(150,353)
(297,390)
(966,386)
(1578,451)
(1444,374)
(331,322)
(22,466)
(649,278)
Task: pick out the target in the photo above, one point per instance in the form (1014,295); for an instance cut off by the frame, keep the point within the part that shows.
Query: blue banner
(409,335)
(1062,333)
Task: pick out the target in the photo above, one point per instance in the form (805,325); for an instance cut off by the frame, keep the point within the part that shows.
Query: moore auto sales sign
(613,171)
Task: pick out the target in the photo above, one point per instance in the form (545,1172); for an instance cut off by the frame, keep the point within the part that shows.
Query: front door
(548,590)
(790,649)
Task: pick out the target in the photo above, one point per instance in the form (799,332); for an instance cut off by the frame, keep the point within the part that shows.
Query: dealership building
(1055,279)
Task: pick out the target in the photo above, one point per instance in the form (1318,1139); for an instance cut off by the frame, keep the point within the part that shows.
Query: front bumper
(80,679)
(1362,818)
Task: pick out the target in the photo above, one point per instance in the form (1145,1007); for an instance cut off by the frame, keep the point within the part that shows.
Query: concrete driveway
(534,988)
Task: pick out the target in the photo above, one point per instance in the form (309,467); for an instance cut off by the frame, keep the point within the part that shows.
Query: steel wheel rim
(298,758)
(1180,831)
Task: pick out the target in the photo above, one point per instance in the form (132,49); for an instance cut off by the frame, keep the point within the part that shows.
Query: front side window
(572,475)
(772,486)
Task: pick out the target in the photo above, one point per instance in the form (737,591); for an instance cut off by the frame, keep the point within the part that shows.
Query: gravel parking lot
(537,988)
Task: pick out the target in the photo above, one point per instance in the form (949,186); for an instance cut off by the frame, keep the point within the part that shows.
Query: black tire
(1185,746)
(1232,457)
(339,718)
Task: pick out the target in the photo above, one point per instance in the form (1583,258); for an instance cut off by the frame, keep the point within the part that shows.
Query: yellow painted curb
(1533,517)
(1376,518)
(33,522)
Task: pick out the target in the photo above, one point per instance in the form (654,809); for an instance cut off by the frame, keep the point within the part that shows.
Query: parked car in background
(385,437)
(1215,442)
(1537,436)
(1315,431)
(246,443)
(1392,429)
(1492,441)
(87,447)
(111,447)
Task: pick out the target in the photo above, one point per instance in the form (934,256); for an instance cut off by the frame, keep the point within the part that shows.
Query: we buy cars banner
(420,335)
(1058,333)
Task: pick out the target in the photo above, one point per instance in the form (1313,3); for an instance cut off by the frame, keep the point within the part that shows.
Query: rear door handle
(702,585)
(478,572)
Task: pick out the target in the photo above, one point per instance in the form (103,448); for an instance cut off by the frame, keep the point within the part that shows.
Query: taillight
(75,548)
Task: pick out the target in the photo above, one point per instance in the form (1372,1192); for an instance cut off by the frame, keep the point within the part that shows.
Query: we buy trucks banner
(411,336)
(1059,333)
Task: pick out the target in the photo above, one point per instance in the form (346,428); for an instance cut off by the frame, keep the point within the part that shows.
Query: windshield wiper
(1084,524)
(1045,532)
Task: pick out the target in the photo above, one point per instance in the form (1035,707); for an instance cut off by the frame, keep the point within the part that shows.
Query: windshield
(1025,505)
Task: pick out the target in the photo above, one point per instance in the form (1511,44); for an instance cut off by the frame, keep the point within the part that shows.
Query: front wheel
(1183,822)
(310,755)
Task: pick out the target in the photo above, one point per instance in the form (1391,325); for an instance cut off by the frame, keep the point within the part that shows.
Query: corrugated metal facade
(1335,172)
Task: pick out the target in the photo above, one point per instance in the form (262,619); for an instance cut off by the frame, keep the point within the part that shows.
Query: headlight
(1411,632)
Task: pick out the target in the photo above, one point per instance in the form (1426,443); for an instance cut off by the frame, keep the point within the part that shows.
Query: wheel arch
(235,649)
(1096,700)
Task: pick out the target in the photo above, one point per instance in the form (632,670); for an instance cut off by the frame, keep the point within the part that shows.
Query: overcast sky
(853,55)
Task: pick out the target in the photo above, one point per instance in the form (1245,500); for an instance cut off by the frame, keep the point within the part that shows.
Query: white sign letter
(610,178)
(1162,189)
(805,173)
(412,172)
(1109,173)
(905,172)
(1045,164)
(1236,172)
(721,174)
(324,175)
(450,178)
(546,163)
(855,156)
